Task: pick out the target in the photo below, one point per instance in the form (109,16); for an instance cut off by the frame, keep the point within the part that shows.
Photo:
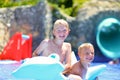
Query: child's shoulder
(76,64)
(67,44)
(45,42)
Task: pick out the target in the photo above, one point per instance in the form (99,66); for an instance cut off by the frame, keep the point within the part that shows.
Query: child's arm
(74,77)
(40,48)
(68,59)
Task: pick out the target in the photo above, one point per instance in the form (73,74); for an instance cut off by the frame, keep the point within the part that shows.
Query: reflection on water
(111,73)
(6,69)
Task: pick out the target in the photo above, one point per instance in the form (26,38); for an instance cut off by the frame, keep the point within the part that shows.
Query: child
(57,45)
(79,69)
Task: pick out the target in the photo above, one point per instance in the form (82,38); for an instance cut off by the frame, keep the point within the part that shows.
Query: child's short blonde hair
(63,22)
(84,46)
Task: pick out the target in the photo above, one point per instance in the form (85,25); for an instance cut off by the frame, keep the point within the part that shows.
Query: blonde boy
(79,69)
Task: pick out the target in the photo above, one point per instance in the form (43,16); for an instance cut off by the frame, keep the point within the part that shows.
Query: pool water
(6,69)
(112,72)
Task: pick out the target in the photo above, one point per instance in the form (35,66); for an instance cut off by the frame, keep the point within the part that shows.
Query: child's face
(87,54)
(60,32)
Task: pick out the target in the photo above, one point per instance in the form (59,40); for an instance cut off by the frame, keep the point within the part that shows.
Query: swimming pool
(111,73)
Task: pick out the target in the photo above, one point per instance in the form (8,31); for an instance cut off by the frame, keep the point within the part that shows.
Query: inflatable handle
(55,56)
(94,71)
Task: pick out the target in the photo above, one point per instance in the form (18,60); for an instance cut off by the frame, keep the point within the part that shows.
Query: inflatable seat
(18,47)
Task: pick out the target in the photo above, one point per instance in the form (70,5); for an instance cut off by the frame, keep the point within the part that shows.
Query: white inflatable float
(40,68)
(49,68)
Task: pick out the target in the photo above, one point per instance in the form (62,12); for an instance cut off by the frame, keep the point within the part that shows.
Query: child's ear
(53,31)
(69,32)
(53,34)
(79,54)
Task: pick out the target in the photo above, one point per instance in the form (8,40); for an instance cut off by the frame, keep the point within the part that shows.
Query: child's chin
(89,61)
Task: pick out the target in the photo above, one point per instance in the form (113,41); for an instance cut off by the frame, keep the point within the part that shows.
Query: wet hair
(84,46)
(62,22)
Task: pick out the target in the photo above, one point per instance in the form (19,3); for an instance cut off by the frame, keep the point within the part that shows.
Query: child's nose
(91,54)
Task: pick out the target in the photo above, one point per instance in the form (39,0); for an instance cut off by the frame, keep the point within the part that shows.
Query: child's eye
(64,30)
(61,31)
(88,53)
(58,30)
(92,52)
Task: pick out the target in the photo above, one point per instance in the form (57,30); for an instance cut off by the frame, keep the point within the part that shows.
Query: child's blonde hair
(63,22)
(84,46)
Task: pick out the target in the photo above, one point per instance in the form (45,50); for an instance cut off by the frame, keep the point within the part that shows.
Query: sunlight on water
(111,73)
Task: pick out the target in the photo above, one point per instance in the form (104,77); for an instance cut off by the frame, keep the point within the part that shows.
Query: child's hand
(67,70)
